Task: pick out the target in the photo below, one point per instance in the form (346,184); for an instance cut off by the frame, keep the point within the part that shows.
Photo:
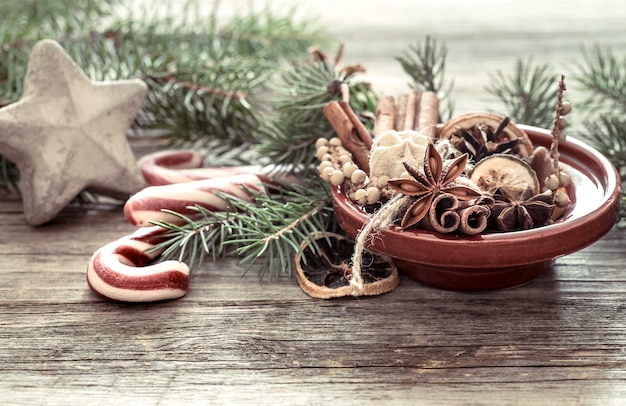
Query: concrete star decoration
(67,134)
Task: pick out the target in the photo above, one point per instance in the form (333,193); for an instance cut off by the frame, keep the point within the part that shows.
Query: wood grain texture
(237,340)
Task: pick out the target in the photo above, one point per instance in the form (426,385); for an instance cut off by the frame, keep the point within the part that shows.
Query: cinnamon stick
(385,115)
(351,131)
(361,132)
(442,216)
(474,219)
(428,116)
(412,106)
(398,122)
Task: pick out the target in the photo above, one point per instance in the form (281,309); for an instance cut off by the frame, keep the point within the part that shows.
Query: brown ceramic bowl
(502,260)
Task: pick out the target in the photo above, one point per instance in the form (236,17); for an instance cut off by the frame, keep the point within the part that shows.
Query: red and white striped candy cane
(120,270)
(180,166)
(147,205)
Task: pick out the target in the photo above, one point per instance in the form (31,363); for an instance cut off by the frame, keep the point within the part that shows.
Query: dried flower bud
(561,123)
(372,194)
(360,197)
(321,151)
(320,142)
(344,159)
(348,169)
(326,173)
(561,135)
(566,107)
(561,198)
(551,182)
(335,141)
(336,177)
(358,176)
(381,182)
(564,179)
(323,165)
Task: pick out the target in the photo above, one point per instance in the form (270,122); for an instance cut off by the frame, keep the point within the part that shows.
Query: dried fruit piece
(326,273)
(452,130)
(505,175)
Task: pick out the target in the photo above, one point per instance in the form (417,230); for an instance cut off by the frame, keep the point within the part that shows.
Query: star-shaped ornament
(67,134)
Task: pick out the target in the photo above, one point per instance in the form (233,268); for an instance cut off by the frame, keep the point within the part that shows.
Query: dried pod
(564,179)
(326,172)
(321,151)
(360,197)
(561,198)
(320,142)
(381,182)
(566,108)
(336,177)
(561,123)
(335,141)
(372,195)
(552,182)
(359,176)
(348,169)
(323,165)
(344,159)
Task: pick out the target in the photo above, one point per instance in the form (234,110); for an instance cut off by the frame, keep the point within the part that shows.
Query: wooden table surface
(233,340)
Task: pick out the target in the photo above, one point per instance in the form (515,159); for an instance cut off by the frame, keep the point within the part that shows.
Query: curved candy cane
(168,167)
(120,270)
(147,205)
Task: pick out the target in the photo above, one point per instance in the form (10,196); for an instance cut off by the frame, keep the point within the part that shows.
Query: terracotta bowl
(495,261)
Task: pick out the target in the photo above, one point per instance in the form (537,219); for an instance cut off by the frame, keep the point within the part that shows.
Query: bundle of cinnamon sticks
(413,111)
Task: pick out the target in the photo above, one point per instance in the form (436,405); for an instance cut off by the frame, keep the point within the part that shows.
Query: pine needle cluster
(266,233)
(207,80)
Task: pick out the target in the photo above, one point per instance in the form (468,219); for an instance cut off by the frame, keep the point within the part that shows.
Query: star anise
(527,212)
(436,179)
(481,141)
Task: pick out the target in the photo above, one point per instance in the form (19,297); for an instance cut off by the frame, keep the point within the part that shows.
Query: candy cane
(169,167)
(147,205)
(119,270)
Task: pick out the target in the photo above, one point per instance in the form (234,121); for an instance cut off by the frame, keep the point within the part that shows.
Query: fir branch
(298,120)
(528,94)
(603,77)
(266,232)
(607,133)
(425,63)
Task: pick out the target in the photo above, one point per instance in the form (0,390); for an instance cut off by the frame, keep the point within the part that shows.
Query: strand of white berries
(559,181)
(337,167)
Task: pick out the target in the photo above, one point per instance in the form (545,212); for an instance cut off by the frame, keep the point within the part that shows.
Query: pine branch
(266,233)
(206,81)
(298,120)
(425,63)
(603,77)
(527,95)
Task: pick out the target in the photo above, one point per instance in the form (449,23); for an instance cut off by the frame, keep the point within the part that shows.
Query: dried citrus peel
(327,273)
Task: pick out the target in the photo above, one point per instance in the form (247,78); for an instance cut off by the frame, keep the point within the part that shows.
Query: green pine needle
(425,63)
(528,95)
(266,233)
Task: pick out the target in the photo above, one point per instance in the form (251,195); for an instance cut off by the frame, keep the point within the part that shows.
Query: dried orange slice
(506,174)
(325,273)
(451,130)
